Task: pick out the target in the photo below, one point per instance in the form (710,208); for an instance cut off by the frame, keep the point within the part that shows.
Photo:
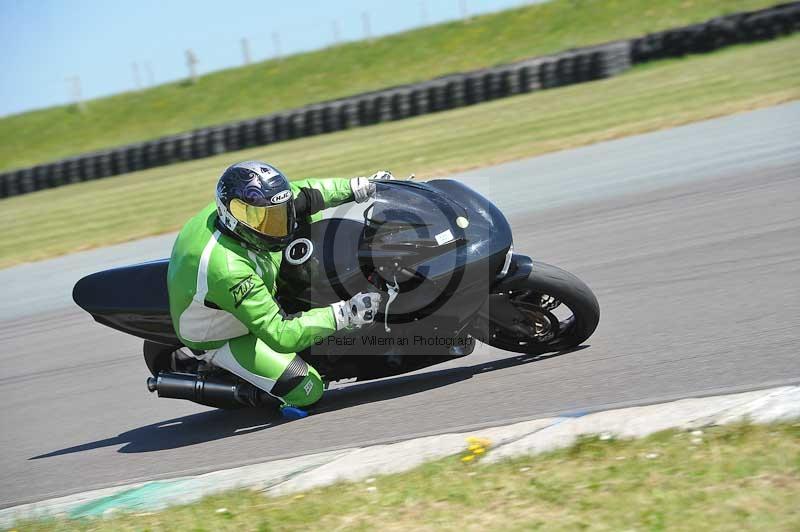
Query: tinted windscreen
(405,211)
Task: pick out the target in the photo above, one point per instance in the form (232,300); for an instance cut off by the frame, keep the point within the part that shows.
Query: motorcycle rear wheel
(545,284)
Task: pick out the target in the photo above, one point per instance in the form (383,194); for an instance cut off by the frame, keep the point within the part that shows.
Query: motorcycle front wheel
(558,312)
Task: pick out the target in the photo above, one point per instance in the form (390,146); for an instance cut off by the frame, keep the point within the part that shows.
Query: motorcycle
(440,253)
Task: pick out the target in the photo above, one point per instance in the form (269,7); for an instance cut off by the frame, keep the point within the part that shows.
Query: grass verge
(239,93)
(97,213)
(736,477)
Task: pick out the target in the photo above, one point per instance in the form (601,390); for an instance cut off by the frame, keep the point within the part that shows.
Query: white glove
(382,175)
(364,188)
(359,311)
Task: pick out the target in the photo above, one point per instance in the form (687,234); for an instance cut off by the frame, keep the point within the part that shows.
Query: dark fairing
(457,274)
(132,299)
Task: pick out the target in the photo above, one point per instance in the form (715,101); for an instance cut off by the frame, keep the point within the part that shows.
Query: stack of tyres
(436,97)
(297,125)
(330,118)
(348,115)
(418,102)
(313,121)
(26,181)
(102,163)
(509,81)
(200,144)
(264,131)
(183,147)
(73,170)
(565,70)
(216,141)
(529,78)
(454,92)
(583,67)
(400,104)
(718,32)
(88,171)
(10,184)
(473,89)
(231,138)
(280,127)
(5,185)
(247,133)
(366,111)
(39,177)
(383,107)
(547,74)
(55,177)
(150,154)
(119,163)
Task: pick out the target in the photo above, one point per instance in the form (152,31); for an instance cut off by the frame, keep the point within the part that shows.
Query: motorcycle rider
(222,280)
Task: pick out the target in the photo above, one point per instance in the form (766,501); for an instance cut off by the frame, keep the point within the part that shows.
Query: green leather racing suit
(222,302)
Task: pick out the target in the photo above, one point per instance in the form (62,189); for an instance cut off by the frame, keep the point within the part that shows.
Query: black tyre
(548,291)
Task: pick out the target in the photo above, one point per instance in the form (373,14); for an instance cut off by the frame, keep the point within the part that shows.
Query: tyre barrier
(454,93)
(11,184)
(247,133)
(134,157)
(264,131)
(296,124)
(216,141)
(55,175)
(473,89)
(435,94)
(398,103)
(25,181)
(150,156)
(547,74)
(72,172)
(119,164)
(103,165)
(230,136)
(329,118)
(280,128)
(33,178)
(200,144)
(313,121)
(5,185)
(348,115)
(183,147)
(366,112)
(529,78)
(737,28)
(418,102)
(85,168)
(509,82)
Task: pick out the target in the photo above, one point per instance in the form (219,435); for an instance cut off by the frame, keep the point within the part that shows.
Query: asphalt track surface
(689,237)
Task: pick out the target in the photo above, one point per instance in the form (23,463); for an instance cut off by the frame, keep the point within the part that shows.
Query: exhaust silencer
(216,391)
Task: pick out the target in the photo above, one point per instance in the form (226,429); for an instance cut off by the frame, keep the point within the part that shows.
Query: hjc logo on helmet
(281,197)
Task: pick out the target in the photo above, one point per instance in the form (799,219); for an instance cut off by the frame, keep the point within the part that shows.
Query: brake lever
(393,292)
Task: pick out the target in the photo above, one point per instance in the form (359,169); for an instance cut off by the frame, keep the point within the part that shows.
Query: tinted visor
(272,221)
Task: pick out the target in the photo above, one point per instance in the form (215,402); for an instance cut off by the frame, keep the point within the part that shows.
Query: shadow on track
(218,424)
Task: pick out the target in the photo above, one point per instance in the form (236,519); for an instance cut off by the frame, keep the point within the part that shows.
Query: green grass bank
(268,86)
(650,97)
(735,477)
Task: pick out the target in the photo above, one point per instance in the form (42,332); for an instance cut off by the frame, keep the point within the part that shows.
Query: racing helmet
(255,205)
